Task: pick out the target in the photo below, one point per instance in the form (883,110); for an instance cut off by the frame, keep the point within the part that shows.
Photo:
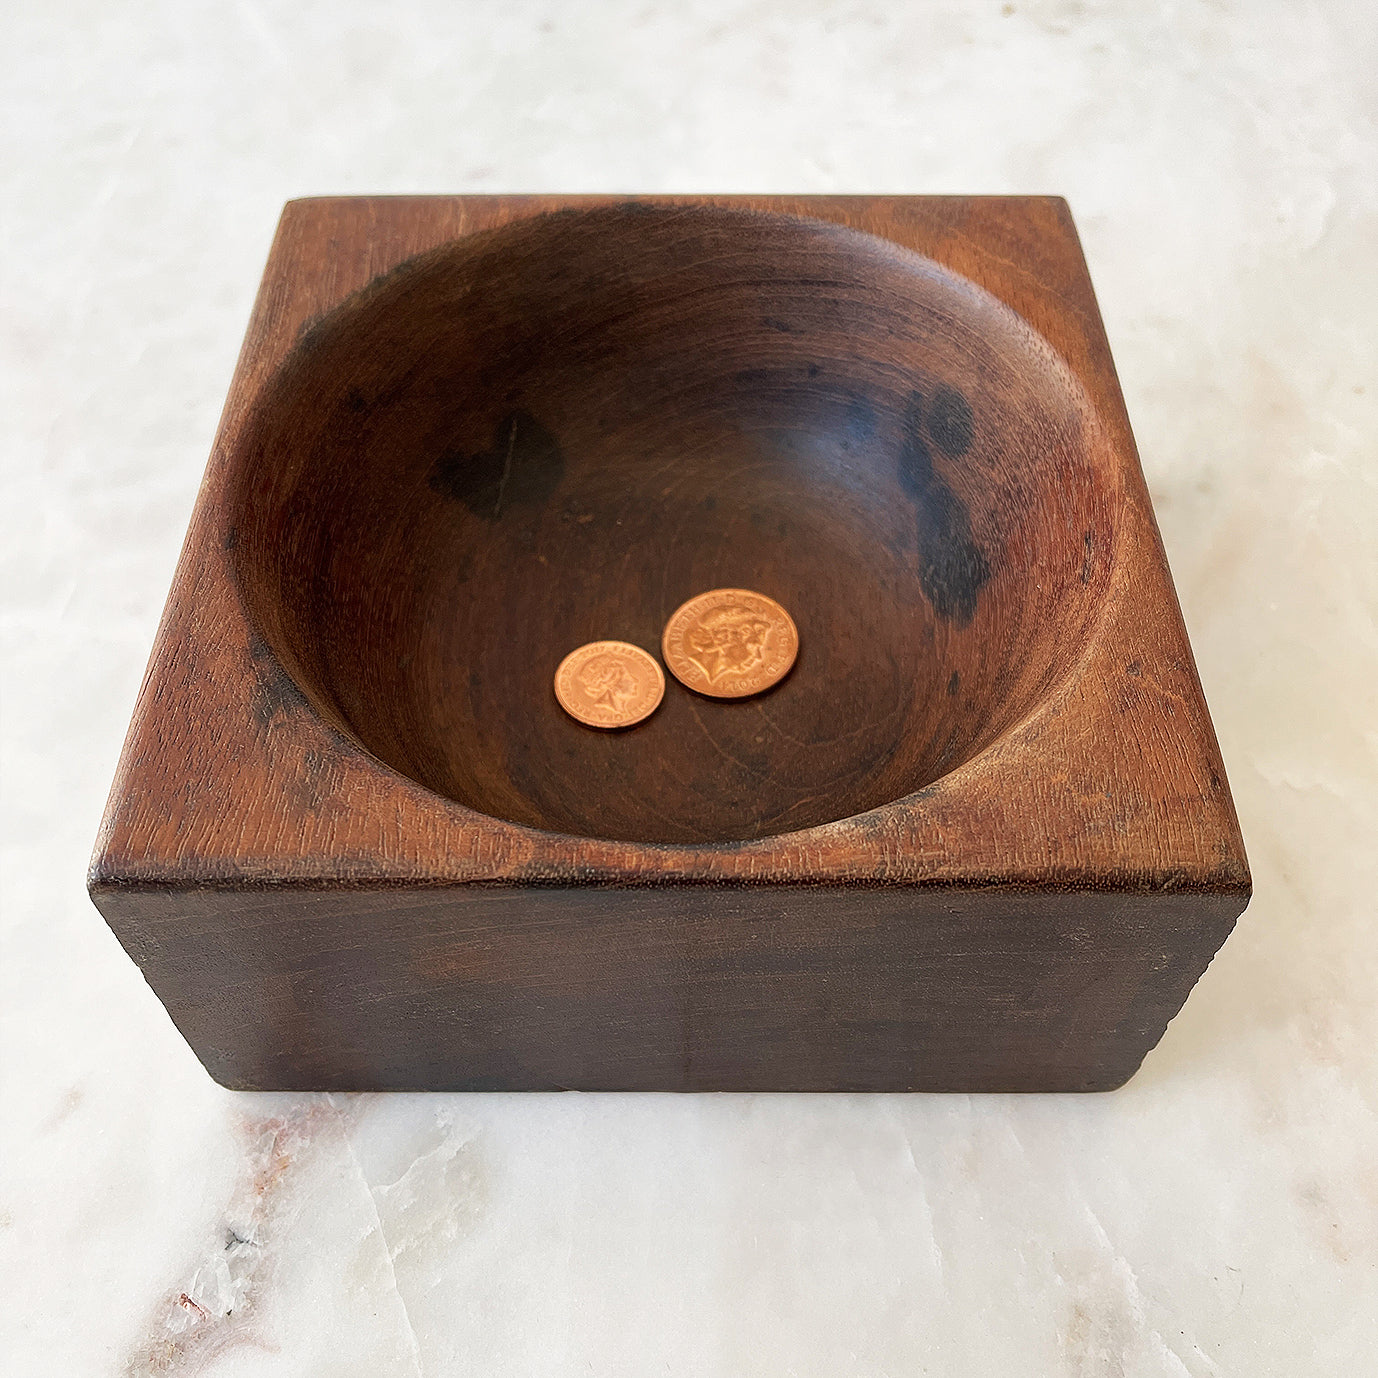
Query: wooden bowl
(558,431)
(989,781)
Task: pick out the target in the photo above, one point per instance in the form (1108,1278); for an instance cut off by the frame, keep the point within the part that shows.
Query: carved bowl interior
(558,431)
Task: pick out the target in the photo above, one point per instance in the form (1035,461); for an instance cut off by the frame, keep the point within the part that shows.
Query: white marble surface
(1217,1216)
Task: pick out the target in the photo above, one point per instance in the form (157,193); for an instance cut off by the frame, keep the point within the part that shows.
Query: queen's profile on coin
(609,684)
(730,643)
(728,640)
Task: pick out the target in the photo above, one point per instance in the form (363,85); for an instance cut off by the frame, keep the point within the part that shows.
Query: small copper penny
(730,643)
(609,684)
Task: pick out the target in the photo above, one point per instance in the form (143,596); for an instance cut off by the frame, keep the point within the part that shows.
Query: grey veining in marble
(1219,1216)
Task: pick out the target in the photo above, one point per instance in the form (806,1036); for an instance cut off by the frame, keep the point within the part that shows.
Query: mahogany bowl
(979,838)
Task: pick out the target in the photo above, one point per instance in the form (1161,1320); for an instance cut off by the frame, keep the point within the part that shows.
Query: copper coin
(730,643)
(609,684)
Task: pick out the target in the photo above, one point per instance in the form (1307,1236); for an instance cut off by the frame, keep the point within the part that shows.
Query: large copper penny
(730,643)
(609,684)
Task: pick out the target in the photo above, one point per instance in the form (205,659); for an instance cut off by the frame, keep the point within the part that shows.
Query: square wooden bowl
(980,839)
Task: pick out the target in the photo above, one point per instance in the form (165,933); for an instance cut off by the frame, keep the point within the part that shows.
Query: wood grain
(467,434)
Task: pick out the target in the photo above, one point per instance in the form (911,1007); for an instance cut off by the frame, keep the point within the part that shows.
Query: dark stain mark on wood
(274,693)
(952,568)
(950,422)
(860,425)
(521,468)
